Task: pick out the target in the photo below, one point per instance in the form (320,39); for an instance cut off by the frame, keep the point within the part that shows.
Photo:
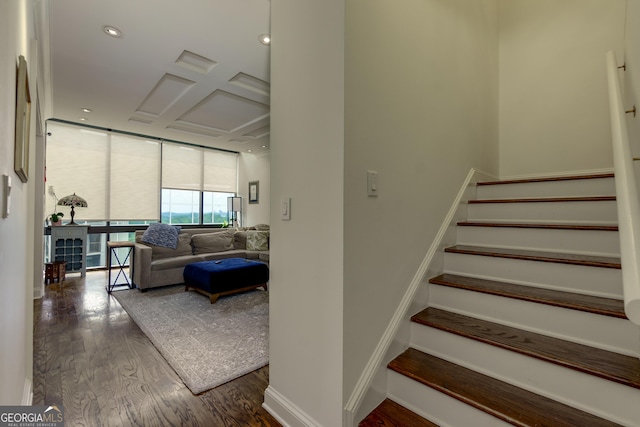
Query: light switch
(6,203)
(285,209)
(372,184)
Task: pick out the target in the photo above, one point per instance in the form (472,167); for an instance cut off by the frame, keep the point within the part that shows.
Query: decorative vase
(57,223)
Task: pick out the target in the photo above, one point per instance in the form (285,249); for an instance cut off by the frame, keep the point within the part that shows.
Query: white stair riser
(608,333)
(589,393)
(574,188)
(437,407)
(592,212)
(606,282)
(592,242)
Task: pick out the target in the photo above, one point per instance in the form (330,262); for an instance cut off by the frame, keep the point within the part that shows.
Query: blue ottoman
(225,276)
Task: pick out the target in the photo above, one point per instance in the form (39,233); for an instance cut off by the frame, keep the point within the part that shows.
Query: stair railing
(626,195)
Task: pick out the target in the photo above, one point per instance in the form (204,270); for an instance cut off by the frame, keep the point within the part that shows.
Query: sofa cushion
(236,253)
(257,240)
(176,262)
(182,248)
(212,242)
(254,254)
(159,234)
(240,240)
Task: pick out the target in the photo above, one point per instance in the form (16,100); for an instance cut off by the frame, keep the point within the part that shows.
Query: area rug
(206,344)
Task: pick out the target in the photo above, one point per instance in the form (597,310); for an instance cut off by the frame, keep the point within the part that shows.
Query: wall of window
(130,180)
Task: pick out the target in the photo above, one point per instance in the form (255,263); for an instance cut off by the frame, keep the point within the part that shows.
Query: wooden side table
(54,271)
(112,248)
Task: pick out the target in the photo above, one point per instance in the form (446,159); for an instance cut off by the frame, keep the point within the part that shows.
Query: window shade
(135,173)
(77,163)
(121,176)
(220,171)
(193,168)
(181,167)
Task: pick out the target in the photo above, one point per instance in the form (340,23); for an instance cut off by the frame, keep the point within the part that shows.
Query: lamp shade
(234,204)
(234,207)
(73,201)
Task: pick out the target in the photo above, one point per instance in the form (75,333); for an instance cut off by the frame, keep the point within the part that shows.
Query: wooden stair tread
(548,179)
(545,199)
(602,363)
(392,414)
(554,257)
(504,401)
(538,225)
(587,303)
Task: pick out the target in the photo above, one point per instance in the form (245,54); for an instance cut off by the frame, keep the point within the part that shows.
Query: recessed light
(82,119)
(87,110)
(265,39)
(264,146)
(112,31)
(249,150)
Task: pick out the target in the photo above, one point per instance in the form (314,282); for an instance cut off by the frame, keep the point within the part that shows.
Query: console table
(69,244)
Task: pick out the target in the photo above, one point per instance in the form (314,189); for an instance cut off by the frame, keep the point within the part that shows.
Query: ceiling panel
(191,71)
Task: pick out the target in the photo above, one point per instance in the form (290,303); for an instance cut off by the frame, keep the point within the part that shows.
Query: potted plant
(56,218)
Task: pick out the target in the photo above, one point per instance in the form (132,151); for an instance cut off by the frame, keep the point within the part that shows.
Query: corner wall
(16,250)
(255,168)
(632,75)
(421,110)
(554,109)
(306,252)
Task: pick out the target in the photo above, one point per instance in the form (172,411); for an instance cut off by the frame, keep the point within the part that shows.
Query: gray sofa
(155,266)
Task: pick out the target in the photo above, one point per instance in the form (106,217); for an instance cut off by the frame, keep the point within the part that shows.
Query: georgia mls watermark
(31,416)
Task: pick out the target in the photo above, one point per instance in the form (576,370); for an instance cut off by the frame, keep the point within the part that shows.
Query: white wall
(254,167)
(632,74)
(16,251)
(553,94)
(306,262)
(421,110)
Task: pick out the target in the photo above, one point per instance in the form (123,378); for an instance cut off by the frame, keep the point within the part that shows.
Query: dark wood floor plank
(544,200)
(601,363)
(587,303)
(92,358)
(504,401)
(543,256)
(506,224)
(392,414)
(547,179)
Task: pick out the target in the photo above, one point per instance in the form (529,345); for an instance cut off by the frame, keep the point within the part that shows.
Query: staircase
(526,325)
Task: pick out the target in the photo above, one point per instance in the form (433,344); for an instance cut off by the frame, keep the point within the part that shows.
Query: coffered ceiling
(188,70)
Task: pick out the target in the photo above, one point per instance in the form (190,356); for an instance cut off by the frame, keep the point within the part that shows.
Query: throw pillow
(257,240)
(212,242)
(159,234)
(182,248)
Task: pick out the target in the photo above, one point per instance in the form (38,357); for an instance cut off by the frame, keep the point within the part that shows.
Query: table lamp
(73,201)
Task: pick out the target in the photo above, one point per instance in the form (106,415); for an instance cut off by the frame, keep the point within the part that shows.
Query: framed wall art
(254,192)
(23,121)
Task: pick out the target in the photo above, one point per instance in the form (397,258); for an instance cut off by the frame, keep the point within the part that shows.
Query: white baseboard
(283,410)
(376,362)
(27,393)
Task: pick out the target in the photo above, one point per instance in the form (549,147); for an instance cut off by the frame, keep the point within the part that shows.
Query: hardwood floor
(91,357)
